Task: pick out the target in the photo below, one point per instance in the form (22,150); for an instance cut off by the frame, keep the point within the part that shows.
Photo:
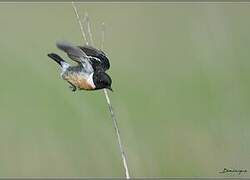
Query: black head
(102,80)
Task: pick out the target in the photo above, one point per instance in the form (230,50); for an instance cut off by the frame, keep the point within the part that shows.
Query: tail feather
(57,58)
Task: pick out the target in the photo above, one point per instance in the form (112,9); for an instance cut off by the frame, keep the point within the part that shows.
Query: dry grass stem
(86,19)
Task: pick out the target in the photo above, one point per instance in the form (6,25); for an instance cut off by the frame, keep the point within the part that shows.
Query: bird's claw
(73,88)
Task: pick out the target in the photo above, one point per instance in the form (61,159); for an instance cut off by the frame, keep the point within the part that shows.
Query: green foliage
(181,91)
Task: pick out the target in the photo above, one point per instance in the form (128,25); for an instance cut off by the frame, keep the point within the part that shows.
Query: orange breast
(78,81)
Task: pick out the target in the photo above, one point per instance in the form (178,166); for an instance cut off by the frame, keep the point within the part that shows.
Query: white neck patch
(90,80)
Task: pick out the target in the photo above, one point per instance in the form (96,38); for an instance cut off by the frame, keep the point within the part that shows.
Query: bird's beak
(110,89)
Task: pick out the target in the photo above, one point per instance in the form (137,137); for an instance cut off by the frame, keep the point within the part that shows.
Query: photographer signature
(227,170)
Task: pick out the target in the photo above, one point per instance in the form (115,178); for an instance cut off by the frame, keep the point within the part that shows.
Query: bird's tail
(57,58)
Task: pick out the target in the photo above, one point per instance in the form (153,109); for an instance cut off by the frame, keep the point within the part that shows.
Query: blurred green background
(181,91)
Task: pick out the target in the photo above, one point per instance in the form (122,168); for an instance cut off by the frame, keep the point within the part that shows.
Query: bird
(89,73)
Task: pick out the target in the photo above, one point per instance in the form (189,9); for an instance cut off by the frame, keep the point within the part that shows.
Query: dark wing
(97,57)
(76,54)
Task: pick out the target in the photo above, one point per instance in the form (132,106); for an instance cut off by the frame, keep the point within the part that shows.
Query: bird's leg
(72,86)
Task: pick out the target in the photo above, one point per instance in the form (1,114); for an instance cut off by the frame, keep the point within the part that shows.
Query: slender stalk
(123,155)
(89,29)
(103,36)
(80,23)
(124,160)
